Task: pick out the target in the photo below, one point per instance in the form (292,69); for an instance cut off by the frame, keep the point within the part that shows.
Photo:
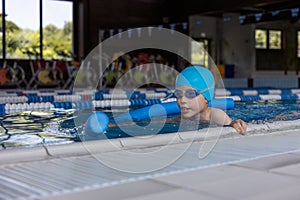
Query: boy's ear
(205,100)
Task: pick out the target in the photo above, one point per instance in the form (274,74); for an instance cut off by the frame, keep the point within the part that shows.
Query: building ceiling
(217,7)
(130,13)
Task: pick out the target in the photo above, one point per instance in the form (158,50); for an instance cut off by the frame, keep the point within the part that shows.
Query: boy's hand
(239,125)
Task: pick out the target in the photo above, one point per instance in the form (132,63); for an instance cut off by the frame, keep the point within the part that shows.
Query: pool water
(66,126)
(266,111)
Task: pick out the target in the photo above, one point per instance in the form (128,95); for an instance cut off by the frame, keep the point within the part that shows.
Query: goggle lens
(188,93)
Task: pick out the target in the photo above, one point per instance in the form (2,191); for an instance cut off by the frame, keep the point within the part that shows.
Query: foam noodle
(98,121)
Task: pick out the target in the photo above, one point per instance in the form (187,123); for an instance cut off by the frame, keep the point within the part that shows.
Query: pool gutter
(19,155)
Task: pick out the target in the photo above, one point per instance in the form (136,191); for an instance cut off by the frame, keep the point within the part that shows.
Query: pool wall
(262,82)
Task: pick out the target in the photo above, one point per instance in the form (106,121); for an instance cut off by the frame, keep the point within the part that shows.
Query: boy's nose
(183,99)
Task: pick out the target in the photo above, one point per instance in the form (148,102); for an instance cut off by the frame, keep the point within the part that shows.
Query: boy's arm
(220,117)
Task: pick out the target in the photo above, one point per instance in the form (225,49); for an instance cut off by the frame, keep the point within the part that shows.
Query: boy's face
(191,107)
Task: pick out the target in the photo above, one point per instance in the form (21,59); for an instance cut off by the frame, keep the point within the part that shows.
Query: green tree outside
(25,43)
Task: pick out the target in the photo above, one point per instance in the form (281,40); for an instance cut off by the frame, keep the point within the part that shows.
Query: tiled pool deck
(274,177)
(264,164)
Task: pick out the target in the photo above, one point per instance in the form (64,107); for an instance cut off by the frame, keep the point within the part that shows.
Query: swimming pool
(60,126)
(58,163)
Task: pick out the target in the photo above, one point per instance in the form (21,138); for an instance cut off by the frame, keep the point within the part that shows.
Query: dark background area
(112,14)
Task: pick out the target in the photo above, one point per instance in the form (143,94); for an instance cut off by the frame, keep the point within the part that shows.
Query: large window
(199,52)
(35,31)
(274,39)
(260,39)
(22,28)
(57,29)
(268,39)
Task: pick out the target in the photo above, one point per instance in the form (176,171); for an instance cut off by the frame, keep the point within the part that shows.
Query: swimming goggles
(191,93)
(187,93)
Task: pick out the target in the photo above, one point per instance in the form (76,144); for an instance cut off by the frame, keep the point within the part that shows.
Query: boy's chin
(186,116)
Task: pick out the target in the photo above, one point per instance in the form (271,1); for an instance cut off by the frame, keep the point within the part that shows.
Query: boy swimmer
(194,88)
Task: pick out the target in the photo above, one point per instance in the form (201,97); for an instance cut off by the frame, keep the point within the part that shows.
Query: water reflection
(27,129)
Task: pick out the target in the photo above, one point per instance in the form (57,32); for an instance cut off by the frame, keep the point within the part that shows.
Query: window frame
(266,32)
(268,39)
(4,54)
(206,45)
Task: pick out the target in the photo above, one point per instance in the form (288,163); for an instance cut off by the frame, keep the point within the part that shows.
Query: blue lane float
(98,121)
(261,91)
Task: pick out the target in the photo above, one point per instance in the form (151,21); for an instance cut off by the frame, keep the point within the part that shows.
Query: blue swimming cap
(199,78)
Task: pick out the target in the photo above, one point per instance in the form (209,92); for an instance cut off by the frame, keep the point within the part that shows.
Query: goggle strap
(209,88)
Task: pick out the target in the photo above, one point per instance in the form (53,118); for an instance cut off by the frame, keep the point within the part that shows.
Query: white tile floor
(238,181)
